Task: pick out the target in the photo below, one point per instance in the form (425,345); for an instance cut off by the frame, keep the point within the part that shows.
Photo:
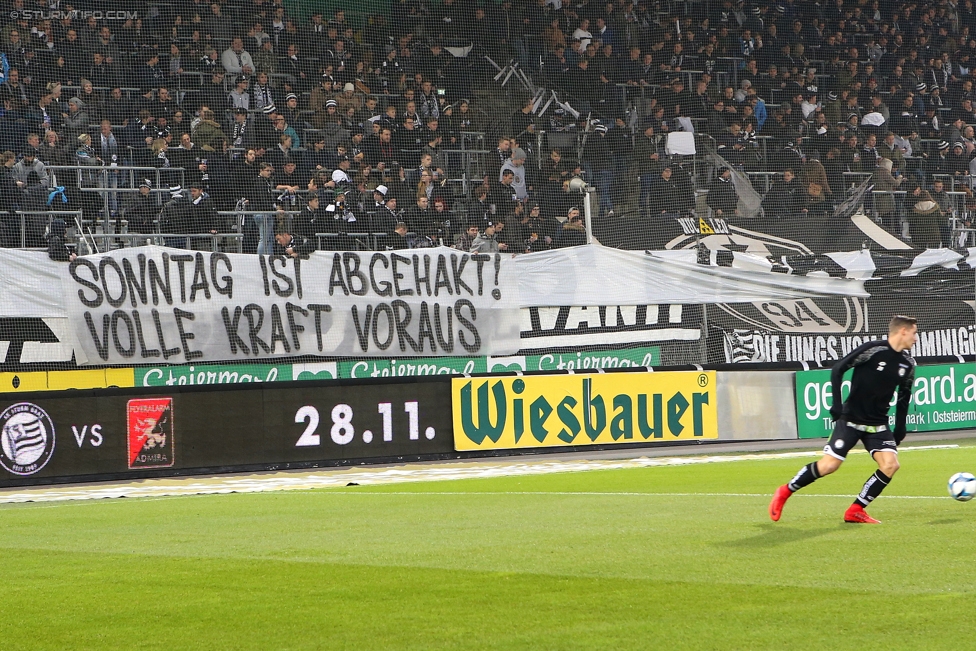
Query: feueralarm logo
(26,438)
(150,433)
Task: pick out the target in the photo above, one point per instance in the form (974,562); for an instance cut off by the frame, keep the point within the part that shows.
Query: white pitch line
(764,496)
(168,487)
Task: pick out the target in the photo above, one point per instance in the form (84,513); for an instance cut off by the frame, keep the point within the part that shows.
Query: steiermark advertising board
(943,398)
(405,367)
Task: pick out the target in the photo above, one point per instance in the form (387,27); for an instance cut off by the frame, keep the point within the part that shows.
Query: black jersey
(878,371)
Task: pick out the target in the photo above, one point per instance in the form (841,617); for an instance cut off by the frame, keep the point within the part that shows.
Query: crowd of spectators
(318,124)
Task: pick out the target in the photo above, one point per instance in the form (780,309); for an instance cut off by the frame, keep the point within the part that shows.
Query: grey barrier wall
(756,405)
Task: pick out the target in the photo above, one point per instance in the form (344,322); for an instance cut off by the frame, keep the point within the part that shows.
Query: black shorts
(846,437)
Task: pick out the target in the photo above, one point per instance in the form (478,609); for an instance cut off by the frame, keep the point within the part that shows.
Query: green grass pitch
(595,560)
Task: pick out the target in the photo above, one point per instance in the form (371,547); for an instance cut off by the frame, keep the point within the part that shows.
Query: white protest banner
(155,304)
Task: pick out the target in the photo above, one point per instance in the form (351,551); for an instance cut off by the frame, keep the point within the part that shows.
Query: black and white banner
(934,286)
(170,306)
(150,304)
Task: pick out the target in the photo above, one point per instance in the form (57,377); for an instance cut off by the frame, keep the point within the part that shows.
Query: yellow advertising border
(96,378)
(536,411)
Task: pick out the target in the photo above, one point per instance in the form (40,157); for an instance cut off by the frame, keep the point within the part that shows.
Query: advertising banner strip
(496,413)
(943,398)
(382,368)
(116,433)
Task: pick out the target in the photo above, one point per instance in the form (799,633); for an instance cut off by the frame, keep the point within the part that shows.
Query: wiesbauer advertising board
(494,413)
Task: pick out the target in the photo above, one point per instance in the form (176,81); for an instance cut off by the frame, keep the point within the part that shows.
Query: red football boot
(856,513)
(779,499)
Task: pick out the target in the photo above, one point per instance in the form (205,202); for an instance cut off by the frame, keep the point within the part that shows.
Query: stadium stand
(153,123)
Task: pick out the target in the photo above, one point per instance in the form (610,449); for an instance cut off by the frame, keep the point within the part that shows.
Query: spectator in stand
(208,132)
(487,240)
(174,218)
(958,160)
(52,152)
(665,197)
(152,74)
(925,220)
(718,118)
(263,199)
(203,218)
(538,231)
(786,198)
(291,245)
(213,94)
(77,119)
(10,200)
(291,112)
(420,218)
(242,132)
(516,164)
(281,153)
(479,208)
(573,231)
(310,219)
(722,197)
(410,141)
(349,98)
(398,239)
(240,97)
(818,205)
(22,175)
(884,200)
(262,94)
(386,217)
(503,196)
(236,60)
(889,149)
(33,145)
(140,211)
(444,222)
(265,59)
(465,240)
(14,91)
(284,129)
(298,68)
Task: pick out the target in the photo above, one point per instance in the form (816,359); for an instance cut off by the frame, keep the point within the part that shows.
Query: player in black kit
(880,367)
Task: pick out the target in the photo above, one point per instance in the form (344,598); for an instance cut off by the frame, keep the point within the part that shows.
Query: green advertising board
(943,398)
(405,367)
(459,365)
(162,376)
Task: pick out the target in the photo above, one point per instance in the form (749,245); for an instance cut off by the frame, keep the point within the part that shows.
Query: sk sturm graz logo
(150,425)
(27,438)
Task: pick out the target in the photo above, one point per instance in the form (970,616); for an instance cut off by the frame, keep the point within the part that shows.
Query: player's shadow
(946,521)
(773,535)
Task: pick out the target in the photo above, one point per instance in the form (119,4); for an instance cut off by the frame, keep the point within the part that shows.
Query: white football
(962,486)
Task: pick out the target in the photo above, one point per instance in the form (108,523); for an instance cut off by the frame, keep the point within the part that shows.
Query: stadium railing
(175,240)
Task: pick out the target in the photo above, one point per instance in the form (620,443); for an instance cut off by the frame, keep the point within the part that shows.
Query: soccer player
(880,367)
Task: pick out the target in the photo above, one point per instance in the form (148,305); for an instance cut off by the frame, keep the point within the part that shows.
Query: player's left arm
(901,407)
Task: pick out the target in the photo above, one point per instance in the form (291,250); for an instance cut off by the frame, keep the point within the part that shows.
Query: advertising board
(119,432)
(943,398)
(494,413)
